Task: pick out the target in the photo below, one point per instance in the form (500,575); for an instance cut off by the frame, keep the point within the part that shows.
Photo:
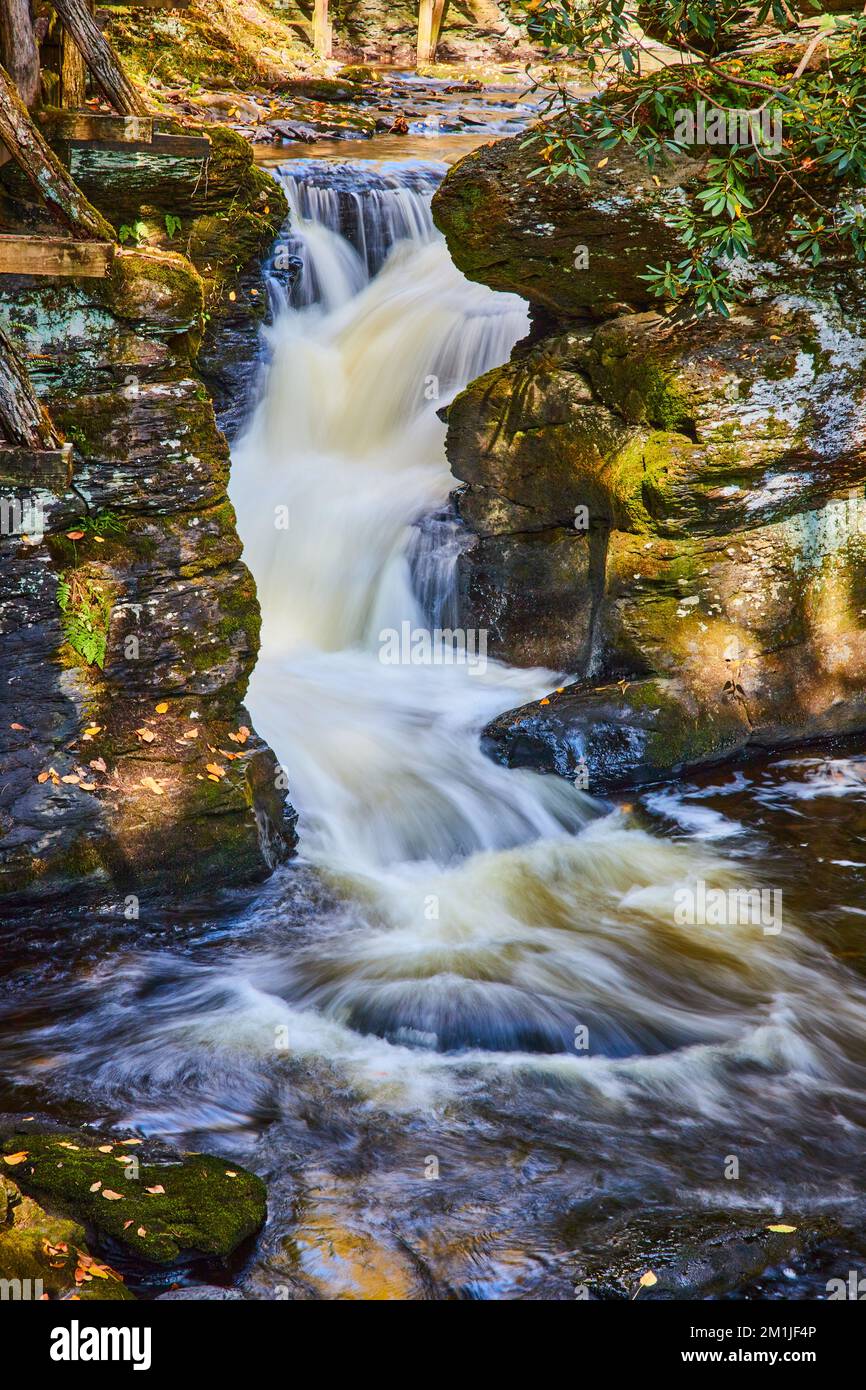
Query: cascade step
(22,254)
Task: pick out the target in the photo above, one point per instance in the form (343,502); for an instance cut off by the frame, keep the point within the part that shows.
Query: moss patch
(164,1211)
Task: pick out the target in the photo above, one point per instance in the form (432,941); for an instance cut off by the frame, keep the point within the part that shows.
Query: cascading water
(467,963)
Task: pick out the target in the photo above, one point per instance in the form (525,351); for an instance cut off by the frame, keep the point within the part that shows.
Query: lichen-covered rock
(677,508)
(162,1208)
(577,251)
(130,622)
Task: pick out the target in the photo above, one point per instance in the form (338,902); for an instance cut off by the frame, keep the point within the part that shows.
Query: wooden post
(24,420)
(62,196)
(19,53)
(100,57)
(73,70)
(431,14)
(323,38)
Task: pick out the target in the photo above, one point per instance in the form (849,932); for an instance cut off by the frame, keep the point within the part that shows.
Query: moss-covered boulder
(165,1209)
(672,515)
(46,1256)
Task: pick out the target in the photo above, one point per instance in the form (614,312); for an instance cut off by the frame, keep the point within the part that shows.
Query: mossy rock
(40,1253)
(166,1211)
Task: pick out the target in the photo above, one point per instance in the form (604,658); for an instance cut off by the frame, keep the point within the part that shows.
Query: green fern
(85,616)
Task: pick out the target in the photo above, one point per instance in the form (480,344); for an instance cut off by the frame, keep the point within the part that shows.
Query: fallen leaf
(13,1159)
(146,735)
(99,765)
(63,1145)
(215,770)
(43,777)
(112,1196)
(150,784)
(105,1148)
(157,1191)
(191,733)
(162,707)
(87,786)
(95,1186)
(92,729)
(230,1174)
(647,1280)
(71,778)
(19,728)
(544,702)
(141,1231)
(782,1230)
(127,1224)
(131,1141)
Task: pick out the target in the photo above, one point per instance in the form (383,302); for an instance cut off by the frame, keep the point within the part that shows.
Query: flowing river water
(463,1038)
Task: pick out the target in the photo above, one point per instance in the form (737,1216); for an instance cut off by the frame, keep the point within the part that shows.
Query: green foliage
(136,232)
(85,610)
(805,190)
(172,225)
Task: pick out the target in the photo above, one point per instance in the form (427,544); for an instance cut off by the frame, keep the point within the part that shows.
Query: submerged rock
(675,516)
(162,1208)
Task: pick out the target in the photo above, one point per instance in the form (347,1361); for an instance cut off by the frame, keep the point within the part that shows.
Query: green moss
(208,1206)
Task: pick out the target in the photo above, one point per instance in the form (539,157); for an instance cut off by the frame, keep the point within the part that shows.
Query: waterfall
(494,898)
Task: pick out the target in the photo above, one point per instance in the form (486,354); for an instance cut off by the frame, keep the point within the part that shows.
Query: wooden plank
(92,125)
(42,255)
(49,469)
(431,14)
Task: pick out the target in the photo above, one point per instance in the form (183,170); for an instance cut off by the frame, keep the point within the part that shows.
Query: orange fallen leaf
(43,777)
(19,728)
(13,1159)
(112,1196)
(146,735)
(157,1191)
(162,707)
(215,770)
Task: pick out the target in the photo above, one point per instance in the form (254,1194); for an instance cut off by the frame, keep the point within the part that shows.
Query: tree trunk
(19,53)
(101,58)
(322,35)
(63,197)
(24,420)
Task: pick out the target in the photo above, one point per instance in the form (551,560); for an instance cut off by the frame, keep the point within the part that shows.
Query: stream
(463,1037)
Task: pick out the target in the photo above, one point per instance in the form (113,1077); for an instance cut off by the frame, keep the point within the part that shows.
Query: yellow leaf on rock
(13,1159)
(647,1280)
(146,735)
(782,1230)
(162,707)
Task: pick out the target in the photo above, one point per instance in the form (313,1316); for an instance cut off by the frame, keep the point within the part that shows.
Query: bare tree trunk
(323,38)
(63,197)
(19,53)
(24,421)
(73,73)
(101,58)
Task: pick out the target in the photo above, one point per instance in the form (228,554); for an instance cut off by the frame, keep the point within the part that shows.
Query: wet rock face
(130,620)
(675,517)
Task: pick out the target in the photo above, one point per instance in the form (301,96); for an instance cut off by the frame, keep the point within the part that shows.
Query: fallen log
(63,198)
(100,57)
